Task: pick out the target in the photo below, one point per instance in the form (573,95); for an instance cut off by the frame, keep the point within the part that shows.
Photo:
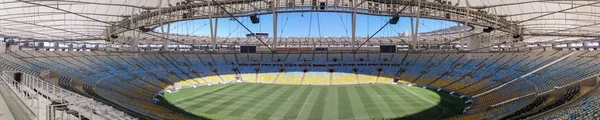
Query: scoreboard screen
(247,49)
(387,48)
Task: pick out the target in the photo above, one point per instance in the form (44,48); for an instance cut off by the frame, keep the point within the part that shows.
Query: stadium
(299,59)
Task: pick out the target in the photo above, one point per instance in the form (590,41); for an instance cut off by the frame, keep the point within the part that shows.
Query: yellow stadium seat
(362,78)
(267,77)
(289,78)
(228,77)
(313,78)
(212,79)
(248,77)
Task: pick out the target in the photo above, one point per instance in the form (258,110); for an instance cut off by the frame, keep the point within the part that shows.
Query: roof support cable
(343,24)
(310,25)
(319,24)
(284,24)
(238,21)
(387,23)
(502,27)
(595,24)
(87,17)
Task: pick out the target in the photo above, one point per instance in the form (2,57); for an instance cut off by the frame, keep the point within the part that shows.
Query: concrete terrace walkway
(5,113)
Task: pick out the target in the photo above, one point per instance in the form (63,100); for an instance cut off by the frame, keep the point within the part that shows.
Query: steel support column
(416,33)
(213,40)
(166,45)
(464,41)
(353,44)
(412,30)
(133,45)
(414,25)
(274,9)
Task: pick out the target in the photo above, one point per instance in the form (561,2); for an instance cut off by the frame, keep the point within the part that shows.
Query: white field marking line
(305,101)
(198,94)
(410,91)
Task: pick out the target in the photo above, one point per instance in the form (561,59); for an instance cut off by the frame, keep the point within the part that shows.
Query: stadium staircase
(357,78)
(276,77)
(302,79)
(330,78)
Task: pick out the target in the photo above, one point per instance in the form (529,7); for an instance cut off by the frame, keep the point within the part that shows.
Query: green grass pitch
(271,101)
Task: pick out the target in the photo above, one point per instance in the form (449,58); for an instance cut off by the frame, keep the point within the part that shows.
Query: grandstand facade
(121,64)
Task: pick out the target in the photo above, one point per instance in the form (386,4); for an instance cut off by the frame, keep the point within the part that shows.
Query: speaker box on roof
(322,5)
(387,48)
(247,49)
(516,36)
(144,29)
(185,16)
(254,19)
(488,29)
(394,20)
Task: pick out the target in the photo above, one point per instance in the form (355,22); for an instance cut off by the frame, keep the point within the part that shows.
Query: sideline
(226,85)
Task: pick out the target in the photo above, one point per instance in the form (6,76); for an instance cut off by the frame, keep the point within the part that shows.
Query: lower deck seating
(316,78)
(141,76)
(343,78)
(367,78)
(267,77)
(289,78)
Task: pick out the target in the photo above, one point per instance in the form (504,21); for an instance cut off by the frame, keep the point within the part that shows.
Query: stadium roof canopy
(88,20)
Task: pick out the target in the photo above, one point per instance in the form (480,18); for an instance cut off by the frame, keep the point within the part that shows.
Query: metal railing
(34,92)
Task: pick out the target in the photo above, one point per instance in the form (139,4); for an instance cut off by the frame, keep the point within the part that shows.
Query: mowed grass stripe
(233,100)
(397,100)
(201,102)
(318,108)
(384,103)
(247,98)
(298,104)
(183,94)
(415,102)
(254,111)
(422,100)
(213,101)
(345,110)
(181,101)
(429,107)
(268,110)
(287,104)
(196,103)
(270,101)
(255,100)
(331,105)
(370,106)
(308,105)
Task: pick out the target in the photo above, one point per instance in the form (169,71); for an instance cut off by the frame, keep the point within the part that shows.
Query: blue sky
(308,24)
